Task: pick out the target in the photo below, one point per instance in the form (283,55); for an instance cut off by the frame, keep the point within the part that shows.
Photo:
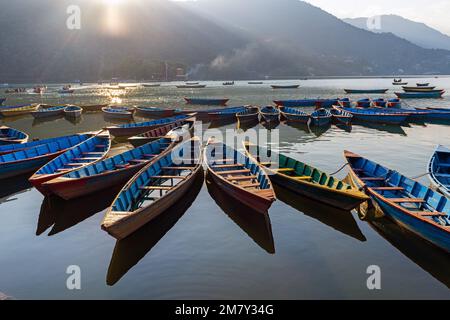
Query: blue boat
(380,102)
(48,112)
(2,100)
(154,189)
(320,103)
(364,103)
(419,95)
(294,115)
(10,136)
(341,116)
(228,113)
(86,153)
(108,173)
(436,114)
(394,103)
(133,129)
(29,160)
(345,102)
(13,107)
(270,114)
(321,118)
(410,204)
(439,169)
(413,114)
(11,148)
(361,91)
(377,115)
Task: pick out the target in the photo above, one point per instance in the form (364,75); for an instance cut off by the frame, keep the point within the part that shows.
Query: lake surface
(208,246)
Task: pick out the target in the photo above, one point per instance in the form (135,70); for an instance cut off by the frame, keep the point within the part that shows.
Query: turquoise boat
(439,169)
(29,160)
(12,136)
(412,205)
(419,95)
(85,154)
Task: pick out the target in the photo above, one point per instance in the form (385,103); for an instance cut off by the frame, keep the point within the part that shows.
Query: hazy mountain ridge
(214,39)
(415,32)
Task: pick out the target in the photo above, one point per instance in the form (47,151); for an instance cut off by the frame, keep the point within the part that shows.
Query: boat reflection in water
(393,129)
(14,186)
(129,251)
(317,131)
(427,256)
(63,215)
(220,123)
(342,221)
(246,125)
(256,224)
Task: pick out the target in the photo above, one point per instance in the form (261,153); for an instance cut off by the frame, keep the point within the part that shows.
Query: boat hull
(419,95)
(358,91)
(13,169)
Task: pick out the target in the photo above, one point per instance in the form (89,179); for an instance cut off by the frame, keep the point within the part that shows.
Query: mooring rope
(421,176)
(340,169)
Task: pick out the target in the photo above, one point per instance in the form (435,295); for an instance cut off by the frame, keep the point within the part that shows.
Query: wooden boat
(191,86)
(439,169)
(436,114)
(418,89)
(341,116)
(305,180)
(69,91)
(48,112)
(192,83)
(364,103)
(152,112)
(207,102)
(86,153)
(250,114)
(361,91)
(118,112)
(228,83)
(12,136)
(426,84)
(151,85)
(394,103)
(409,203)
(29,160)
(377,115)
(419,95)
(154,189)
(132,129)
(11,148)
(321,117)
(380,102)
(255,82)
(11,112)
(413,114)
(160,132)
(423,90)
(399,82)
(108,173)
(293,86)
(226,114)
(239,176)
(294,115)
(344,102)
(94,107)
(73,112)
(319,103)
(270,114)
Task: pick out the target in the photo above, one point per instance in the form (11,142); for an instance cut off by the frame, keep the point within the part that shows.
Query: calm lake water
(208,246)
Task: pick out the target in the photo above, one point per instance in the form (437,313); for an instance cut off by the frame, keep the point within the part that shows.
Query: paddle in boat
(439,169)
(294,115)
(370,91)
(377,115)
(12,136)
(207,102)
(86,153)
(160,132)
(290,86)
(239,176)
(154,189)
(226,114)
(21,110)
(406,201)
(108,173)
(152,112)
(73,112)
(321,117)
(305,180)
(250,114)
(48,112)
(341,116)
(31,159)
(118,112)
(269,114)
(420,95)
(132,129)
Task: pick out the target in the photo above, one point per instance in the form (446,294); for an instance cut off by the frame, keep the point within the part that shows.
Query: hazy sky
(435,13)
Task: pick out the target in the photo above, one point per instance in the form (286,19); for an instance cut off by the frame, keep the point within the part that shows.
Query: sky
(435,13)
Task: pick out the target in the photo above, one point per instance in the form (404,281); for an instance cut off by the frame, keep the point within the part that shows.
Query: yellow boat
(19,111)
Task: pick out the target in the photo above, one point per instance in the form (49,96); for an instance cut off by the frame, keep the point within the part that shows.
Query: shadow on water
(14,186)
(246,125)
(427,256)
(257,225)
(314,130)
(41,121)
(393,129)
(220,123)
(63,215)
(75,121)
(270,125)
(129,251)
(340,220)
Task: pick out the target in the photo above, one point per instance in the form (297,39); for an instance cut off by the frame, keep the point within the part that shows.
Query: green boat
(306,180)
